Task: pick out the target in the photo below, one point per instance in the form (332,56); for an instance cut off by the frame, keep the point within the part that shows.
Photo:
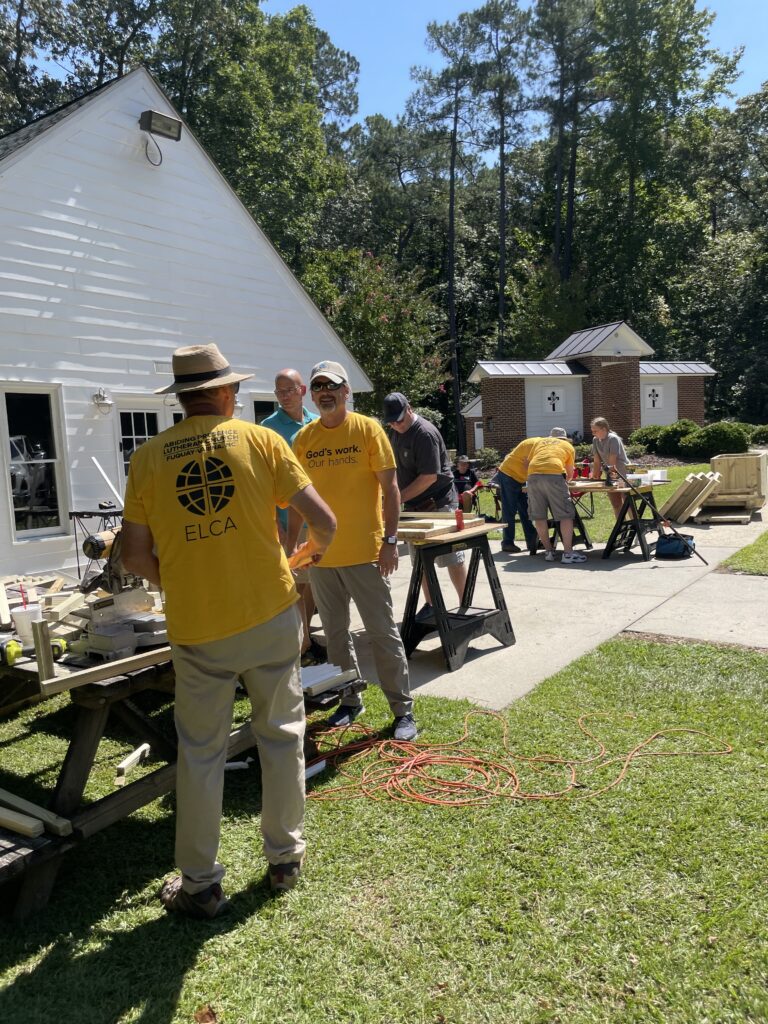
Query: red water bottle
(459,519)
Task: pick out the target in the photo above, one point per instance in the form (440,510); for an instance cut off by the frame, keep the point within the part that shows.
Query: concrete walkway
(560,612)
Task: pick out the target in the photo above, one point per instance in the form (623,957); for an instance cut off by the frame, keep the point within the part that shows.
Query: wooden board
(53,823)
(457,535)
(433,515)
(709,486)
(108,670)
(685,488)
(21,823)
(745,501)
(725,518)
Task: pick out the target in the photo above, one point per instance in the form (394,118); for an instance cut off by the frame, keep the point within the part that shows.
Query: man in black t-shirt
(424,476)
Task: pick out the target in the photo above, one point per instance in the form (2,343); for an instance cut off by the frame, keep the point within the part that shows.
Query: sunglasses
(325,385)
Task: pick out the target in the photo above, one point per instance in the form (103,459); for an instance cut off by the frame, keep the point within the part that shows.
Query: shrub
(748,428)
(635,451)
(669,439)
(647,436)
(487,457)
(583,451)
(716,439)
(431,415)
(760,435)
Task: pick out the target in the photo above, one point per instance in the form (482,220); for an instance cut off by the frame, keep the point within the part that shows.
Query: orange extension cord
(448,775)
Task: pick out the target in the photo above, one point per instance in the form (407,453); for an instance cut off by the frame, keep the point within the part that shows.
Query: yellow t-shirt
(552,455)
(342,463)
(207,489)
(516,462)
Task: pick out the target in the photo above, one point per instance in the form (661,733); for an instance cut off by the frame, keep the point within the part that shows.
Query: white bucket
(22,622)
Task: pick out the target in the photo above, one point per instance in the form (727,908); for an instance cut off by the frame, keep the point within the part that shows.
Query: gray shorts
(456,557)
(549,491)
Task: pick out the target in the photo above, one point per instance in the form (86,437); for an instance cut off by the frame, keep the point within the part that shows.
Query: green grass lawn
(599,528)
(645,904)
(752,559)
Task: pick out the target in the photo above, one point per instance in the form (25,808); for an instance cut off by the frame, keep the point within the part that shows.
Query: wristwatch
(390,540)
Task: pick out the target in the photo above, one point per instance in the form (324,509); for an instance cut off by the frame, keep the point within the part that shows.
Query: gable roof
(19,137)
(527,369)
(115,107)
(605,339)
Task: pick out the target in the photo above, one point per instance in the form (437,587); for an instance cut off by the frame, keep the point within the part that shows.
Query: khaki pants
(265,658)
(365,585)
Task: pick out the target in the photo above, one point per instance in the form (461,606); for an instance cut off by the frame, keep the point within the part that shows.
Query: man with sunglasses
(350,462)
(287,421)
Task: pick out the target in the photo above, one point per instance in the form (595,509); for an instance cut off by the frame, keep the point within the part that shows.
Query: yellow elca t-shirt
(552,456)
(515,463)
(207,489)
(342,463)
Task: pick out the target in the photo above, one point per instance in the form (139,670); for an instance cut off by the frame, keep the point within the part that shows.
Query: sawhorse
(459,626)
(637,517)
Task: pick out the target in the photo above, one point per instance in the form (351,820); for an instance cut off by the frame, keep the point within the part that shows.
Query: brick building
(596,372)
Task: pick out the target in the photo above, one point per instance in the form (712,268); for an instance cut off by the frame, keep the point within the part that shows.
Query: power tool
(10,652)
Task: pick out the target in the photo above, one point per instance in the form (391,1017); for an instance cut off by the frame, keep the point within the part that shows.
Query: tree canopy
(564,164)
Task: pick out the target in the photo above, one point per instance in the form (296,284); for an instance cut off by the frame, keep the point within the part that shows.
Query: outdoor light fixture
(102,401)
(155,123)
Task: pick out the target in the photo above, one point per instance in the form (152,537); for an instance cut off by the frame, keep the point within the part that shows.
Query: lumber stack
(424,527)
(689,498)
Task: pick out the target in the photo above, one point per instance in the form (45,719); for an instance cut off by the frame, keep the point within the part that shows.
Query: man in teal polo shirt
(287,421)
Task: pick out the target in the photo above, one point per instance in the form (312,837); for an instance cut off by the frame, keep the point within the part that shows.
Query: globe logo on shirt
(205,487)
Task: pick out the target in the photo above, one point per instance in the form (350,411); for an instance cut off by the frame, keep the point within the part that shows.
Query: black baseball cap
(395,406)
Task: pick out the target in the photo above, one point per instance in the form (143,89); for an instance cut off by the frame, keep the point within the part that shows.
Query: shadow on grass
(105,950)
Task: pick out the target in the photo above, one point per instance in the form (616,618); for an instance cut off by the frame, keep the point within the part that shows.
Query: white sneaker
(571,557)
(549,556)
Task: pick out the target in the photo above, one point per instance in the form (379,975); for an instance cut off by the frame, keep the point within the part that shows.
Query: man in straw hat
(199,520)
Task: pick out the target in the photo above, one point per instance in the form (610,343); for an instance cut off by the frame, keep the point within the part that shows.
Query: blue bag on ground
(670,545)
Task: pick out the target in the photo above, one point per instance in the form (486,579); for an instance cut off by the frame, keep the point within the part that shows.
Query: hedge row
(685,439)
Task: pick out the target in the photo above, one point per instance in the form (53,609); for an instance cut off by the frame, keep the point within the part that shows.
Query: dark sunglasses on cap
(325,385)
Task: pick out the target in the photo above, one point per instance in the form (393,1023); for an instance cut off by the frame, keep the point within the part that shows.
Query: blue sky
(388,39)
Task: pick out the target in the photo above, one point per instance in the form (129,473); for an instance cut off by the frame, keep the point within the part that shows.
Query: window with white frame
(136,427)
(34,462)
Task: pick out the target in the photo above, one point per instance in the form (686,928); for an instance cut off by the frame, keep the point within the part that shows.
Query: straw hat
(198,367)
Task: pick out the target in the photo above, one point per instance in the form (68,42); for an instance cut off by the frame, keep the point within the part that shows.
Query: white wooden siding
(667,413)
(107,264)
(539,419)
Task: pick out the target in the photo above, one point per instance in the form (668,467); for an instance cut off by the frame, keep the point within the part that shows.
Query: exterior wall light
(155,123)
(102,401)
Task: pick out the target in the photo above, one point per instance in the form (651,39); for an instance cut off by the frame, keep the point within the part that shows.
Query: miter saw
(113,577)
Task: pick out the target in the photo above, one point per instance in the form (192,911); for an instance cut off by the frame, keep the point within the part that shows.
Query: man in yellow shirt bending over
(550,467)
(350,461)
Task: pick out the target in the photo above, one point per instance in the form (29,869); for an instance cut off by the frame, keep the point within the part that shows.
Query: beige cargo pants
(265,658)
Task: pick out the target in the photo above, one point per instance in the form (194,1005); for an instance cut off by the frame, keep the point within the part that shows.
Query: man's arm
(416,487)
(307,504)
(391,495)
(137,551)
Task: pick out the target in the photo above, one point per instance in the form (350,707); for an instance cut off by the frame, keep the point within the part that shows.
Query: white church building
(117,245)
